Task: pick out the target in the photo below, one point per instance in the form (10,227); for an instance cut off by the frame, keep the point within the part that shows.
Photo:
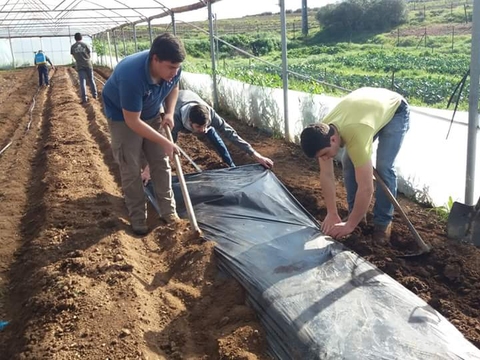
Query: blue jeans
(219,146)
(83,76)
(390,140)
(42,75)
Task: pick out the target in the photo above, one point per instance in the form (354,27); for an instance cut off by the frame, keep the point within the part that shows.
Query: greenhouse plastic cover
(315,298)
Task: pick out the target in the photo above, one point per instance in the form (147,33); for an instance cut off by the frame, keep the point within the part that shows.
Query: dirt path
(76,283)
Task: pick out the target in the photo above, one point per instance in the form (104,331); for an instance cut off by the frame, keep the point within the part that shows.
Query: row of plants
(349,57)
(431,90)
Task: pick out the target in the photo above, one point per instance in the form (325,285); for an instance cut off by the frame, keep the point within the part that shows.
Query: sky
(227,9)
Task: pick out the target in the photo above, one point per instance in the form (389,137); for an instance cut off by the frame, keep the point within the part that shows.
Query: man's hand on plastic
(167,120)
(146,175)
(266,162)
(341,230)
(330,221)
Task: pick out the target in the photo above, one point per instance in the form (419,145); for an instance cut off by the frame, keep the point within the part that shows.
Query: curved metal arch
(103,8)
(163,6)
(127,7)
(73,5)
(34,5)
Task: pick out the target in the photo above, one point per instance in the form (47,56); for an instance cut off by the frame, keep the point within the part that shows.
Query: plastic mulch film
(315,298)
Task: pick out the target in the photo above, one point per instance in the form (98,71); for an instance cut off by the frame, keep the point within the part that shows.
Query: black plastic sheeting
(315,298)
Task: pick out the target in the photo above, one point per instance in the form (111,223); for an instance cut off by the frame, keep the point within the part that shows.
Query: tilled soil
(76,283)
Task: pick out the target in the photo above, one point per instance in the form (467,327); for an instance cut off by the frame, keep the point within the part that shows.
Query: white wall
(56,48)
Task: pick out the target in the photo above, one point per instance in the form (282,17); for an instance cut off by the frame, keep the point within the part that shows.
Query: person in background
(193,115)
(132,98)
(41,61)
(81,53)
(355,123)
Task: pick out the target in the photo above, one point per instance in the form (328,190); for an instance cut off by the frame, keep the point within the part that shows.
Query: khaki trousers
(128,147)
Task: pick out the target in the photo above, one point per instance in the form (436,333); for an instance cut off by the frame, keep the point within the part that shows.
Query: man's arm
(48,60)
(133,121)
(169,107)
(327,181)
(177,126)
(229,132)
(225,129)
(364,178)
(363,197)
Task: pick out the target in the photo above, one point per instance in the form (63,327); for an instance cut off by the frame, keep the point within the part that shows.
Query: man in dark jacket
(193,115)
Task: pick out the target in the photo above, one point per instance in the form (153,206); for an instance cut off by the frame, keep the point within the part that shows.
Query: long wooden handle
(183,187)
(423,245)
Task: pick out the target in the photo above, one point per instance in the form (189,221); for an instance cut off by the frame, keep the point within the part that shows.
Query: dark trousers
(42,75)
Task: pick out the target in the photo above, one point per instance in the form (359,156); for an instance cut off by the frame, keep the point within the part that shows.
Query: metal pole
(174,24)
(124,45)
(104,56)
(283,24)
(473,105)
(212,55)
(109,49)
(217,51)
(115,45)
(135,37)
(304,18)
(11,49)
(150,32)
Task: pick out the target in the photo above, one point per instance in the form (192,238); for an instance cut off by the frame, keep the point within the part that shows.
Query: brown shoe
(382,233)
(170,218)
(139,227)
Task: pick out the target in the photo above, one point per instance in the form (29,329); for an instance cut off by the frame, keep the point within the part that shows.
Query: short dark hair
(168,47)
(199,114)
(316,137)
(78,36)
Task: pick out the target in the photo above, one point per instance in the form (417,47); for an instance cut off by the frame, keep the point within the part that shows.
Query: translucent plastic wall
(56,48)
(430,167)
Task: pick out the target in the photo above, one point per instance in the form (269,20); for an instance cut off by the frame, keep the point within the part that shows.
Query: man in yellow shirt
(355,123)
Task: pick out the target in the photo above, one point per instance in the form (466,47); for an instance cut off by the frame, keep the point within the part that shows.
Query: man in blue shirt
(132,98)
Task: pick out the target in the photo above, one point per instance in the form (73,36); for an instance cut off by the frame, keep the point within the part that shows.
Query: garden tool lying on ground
(189,159)
(424,247)
(183,187)
(464,223)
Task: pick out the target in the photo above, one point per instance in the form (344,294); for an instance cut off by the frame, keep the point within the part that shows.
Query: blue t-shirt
(131,87)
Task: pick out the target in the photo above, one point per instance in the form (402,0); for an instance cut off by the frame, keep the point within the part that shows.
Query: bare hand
(330,221)
(266,162)
(340,230)
(146,175)
(167,120)
(170,149)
